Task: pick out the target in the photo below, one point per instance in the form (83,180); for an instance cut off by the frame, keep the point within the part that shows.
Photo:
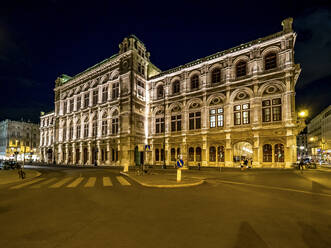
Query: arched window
(178,153)
(173,154)
(241,68)
(86,127)
(270,61)
(267,153)
(104,127)
(162,155)
(216,76)
(94,126)
(220,153)
(176,87)
(212,154)
(279,153)
(191,154)
(78,125)
(198,154)
(157,155)
(194,82)
(71,131)
(159,91)
(114,123)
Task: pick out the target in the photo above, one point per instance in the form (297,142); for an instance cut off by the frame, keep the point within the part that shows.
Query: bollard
(179,175)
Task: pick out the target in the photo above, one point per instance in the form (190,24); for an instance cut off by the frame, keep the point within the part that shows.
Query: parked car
(6,165)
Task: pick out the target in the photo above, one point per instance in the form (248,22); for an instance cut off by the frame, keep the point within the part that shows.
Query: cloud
(313,48)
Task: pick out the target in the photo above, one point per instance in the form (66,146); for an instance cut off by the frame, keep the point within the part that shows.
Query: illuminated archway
(241,151)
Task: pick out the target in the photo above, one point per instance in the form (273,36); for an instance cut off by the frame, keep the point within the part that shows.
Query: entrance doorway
(241,151)
(85,156)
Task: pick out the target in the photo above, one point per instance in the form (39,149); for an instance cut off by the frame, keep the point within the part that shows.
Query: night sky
(39,40)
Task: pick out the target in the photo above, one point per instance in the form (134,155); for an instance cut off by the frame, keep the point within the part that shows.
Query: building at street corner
(319,136)
(19,141)
(214,111)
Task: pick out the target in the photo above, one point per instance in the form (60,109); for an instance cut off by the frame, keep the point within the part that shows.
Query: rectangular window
(79,101)
(216,117)
(104,94)
(245,117)
(86,100)
(94,129)
(115,126)
(64,107)
(266,115)
(159,125)
(195,120)
(176,123)
(95,97)
(71,105)
(115,91)
(78,131)
(237,118)
(276,113)
(85,130)
(104,127)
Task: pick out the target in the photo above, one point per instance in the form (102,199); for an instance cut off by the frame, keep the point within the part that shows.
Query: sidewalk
(164,180)
(11,176)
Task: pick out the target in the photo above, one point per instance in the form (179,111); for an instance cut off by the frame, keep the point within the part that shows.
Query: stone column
(290,149)
(204,152)
(167,152)
(67,154)
(228,156)
(108,153)
(89,153)
(184,152)
(256,150)
(81,153)
(60,154)
(99,162)
(74,153)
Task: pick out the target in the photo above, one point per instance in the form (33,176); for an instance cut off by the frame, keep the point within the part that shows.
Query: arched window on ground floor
(157,155)
(279,153)
(212,154)
(198,154)
(191,154)
(267,153)
(173,154)
(220,153)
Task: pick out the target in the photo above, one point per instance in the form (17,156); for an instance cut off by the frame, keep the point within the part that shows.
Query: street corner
(163,180)
(12,176)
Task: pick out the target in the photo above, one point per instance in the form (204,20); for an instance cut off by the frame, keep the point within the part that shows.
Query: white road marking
(27,183)
(39,185)
(91,182)
(106,182)
(61,183)
(123,181)
(277,188)
(75,183)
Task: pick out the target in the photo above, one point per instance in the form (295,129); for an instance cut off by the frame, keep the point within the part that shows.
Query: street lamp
(303,113)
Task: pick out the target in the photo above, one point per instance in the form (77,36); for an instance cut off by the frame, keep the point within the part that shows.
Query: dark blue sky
(40,40)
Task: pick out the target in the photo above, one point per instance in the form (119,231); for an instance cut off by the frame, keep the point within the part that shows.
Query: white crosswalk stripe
(75,183)
(61,182)
(123,181)
(107,182)
(90,182)
(27,183)
(39,185)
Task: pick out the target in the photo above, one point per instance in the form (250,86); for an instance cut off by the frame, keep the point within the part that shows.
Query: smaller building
(47,132)
(302,144)
(319,136)
(19,140)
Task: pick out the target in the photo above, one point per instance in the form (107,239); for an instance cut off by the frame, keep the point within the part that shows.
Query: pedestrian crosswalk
(72,182)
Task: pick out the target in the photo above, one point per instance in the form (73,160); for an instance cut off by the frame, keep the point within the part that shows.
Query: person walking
(301,165)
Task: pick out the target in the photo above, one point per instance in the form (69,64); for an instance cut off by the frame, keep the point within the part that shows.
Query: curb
(37,174)
(163,185)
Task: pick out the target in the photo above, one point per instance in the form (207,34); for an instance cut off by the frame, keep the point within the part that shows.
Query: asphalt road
(257,209)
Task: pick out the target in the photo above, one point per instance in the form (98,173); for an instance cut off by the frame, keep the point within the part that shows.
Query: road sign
(180,163)
(147,147)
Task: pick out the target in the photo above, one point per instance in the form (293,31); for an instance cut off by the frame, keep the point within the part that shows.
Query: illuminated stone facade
(19,140)
(235,104)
